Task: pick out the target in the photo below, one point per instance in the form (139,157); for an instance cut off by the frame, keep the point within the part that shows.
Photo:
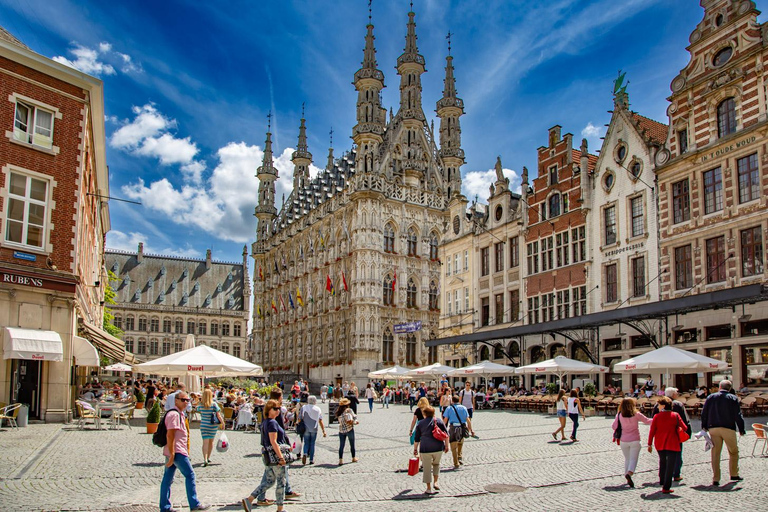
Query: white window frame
(50,205)
(14,135)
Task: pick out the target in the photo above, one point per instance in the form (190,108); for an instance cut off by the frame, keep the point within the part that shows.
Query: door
(27,385)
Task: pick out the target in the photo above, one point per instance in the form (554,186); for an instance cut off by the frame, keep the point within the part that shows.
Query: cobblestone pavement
(55,467)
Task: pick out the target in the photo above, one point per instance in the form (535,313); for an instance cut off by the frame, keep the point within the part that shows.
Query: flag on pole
(344,280)
(290,301)
(274,306)
(261,273)
(298,297)
(394,280)
(329,286)
(282,302)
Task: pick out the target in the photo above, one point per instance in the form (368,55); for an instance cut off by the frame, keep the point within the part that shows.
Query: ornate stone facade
(354,251)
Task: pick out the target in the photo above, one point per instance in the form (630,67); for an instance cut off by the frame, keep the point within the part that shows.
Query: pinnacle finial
(370,13)
(302,110)
(269,121)
(448,37)
(331,134)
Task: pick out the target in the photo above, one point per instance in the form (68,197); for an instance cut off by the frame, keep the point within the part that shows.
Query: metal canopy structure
(632,316)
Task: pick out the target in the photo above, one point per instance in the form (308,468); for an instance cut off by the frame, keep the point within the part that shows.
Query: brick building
(54,216)
(713,185)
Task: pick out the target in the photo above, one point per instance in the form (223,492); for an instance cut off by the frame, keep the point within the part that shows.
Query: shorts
(562,413)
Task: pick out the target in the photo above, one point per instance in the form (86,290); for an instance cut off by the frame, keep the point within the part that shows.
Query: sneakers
(292,495)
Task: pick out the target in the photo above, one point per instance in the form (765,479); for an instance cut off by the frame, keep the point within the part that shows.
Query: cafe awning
(108,345)
(85,353)
(33,344)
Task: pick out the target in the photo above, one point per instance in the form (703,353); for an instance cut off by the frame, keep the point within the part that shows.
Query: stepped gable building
(54,215)
(713,189)
(161,299)
(482,282)
(556,270)
(354,252)
(622,229)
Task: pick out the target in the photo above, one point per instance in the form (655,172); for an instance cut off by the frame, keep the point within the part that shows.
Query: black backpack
(160,437)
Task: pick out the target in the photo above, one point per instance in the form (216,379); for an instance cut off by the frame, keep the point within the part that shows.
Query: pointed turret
(410,66)
(371,116)
(267,174)
(301,159)
(449,109)
(330,163)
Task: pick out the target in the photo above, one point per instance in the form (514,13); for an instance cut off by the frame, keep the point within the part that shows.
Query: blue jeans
(181,462)
(386,402)
(370,405)
(309,444)
(411,401)
(575,420)
(343,440)
(678,463)
(272,475)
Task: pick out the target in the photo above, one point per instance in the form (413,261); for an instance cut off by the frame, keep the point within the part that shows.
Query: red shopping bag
(413,466)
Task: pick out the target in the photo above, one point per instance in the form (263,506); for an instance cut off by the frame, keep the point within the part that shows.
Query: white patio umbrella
(483,369)
(393,372)
(432,370)
(118,367)
(203,361)
(191,382)
(670,360)
(561,366)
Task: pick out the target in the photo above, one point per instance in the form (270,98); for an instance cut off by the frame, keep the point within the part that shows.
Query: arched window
(166,347)
(433,295)
(389,238)
(554,205)
(388,291)
(214,329)
(411,294)
(388,347)
(485,354)
(410,349)
(580,354)
(237,329)
(225,348)
(177,346)
(225,328)
(538,354)
(412,242)
(433,247)
(498,351)
(726,117)
(236,350)
(514,349)
(556,350)
(202,328)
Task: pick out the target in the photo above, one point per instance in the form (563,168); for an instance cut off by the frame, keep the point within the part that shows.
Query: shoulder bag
(438,433)
(617,432)
(464,427)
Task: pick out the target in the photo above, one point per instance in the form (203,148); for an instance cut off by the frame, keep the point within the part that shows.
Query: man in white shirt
(467,396)
(170,400)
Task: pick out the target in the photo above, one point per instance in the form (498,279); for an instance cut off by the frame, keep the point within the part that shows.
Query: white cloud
(592,132)
(477,183)
(148,135)
(86,60)
(129,242)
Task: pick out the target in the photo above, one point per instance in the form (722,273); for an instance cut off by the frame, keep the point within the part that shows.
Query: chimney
(208,259)
(140,254)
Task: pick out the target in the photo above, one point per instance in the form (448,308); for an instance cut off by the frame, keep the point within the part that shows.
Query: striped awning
(106,344)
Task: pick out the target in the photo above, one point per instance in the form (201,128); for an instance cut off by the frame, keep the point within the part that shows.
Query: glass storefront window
(755,365)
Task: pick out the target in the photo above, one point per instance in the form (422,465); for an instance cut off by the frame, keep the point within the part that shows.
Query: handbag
(215,418)
(617,433)
(271,458)
(438,433)
(464,427)
(301,429)
(682,434)
(413,466)
(413,437)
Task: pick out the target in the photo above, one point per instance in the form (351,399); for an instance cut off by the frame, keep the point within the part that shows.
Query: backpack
(160,437)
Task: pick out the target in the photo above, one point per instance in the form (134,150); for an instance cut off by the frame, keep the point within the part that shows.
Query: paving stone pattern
(55,467)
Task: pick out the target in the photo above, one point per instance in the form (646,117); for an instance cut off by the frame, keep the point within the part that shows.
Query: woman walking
(418,414)
(664,435)
(370,394)
(431,449)
(312,417)
(209,410)
(574,409)
(629,418)
(272,436)
(347,421)
(562,414)
(445,398)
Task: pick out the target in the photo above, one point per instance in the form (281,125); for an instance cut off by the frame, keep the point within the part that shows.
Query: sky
(188,86)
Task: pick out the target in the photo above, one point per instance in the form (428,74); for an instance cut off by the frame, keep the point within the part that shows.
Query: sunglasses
(183,399)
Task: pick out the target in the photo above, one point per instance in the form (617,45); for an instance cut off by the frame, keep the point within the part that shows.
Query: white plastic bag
(222,445)
(297,446)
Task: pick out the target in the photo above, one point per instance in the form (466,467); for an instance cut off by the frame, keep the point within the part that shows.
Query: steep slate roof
(654,130)
(172,281)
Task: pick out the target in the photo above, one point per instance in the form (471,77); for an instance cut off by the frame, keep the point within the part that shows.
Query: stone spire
(449,109)
(267,174)
(371,117)
(301,158)
(410,66)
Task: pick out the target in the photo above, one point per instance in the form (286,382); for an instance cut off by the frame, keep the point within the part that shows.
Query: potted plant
(153,417)
(551,388)
(589,391)
(140,399)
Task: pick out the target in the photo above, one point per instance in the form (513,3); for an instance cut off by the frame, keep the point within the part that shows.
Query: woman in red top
(664,435)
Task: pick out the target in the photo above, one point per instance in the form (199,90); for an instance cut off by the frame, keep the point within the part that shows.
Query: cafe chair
(9,414)
(760,435)
(84,414)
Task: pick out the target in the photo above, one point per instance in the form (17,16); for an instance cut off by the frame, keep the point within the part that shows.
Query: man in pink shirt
(176,453)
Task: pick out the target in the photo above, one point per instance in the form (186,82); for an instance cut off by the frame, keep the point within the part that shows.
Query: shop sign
(22,280)
(727,149)
(35,281)
(408,327)
(625,249)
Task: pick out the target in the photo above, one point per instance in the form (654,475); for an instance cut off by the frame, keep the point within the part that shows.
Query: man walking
(721,416)
(679,408)
(454,416)
(176,453)
(467,396)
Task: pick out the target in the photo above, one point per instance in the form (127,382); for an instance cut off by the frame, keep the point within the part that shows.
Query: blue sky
(188,86)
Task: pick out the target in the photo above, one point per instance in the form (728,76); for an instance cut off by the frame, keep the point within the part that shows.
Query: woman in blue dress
(209,409)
